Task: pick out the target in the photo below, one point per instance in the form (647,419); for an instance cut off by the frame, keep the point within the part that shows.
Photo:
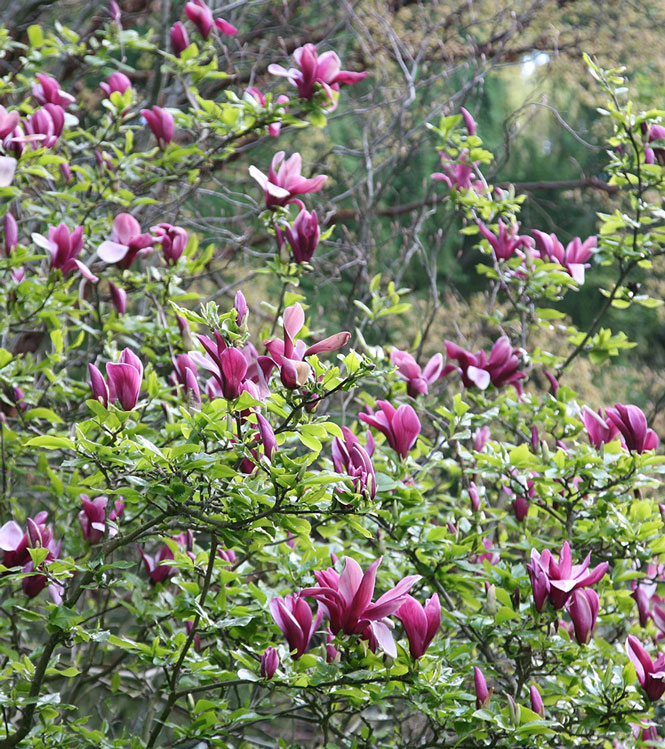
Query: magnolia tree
(224,524)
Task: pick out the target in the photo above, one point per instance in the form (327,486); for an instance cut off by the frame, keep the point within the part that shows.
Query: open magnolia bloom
(127,242)
(284,180)
(347,601)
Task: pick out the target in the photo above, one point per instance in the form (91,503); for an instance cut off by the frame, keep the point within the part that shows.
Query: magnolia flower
(159,572)
(657,155)
(126,243)
(161,123)
(483,694)
(350,457)
(458,173)
(117,82)
(536,701)
(573,258)
(123,381)
(599,430)
(420,623)
(119,298)
(417,380)
(64,247)
(201,16)
(294,617)
(288,355)
(347,600)
(8,122)
(269,663)
(303,236)
(284,180)
(583,610)
(631,422)
(48,91)
(173,240)
(11,233)
(469,122)
(324,70)
(556,582)
(7,170)
(93,517)
(44,126)
(227,364)
(650,674)
(507,241)
(502,368)
(401,426)
(14,542)
(240,306)
(179,38)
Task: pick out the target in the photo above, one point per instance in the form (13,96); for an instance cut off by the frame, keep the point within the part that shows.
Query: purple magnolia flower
(417,380)
(583,609)
(507,242)
(201,16)
(657,155)
(458,173)
(651,674)
(179,38)
(480,438)
(93,517)
(225,27)
(159,572)
(119,298)
(483,694)
(48,91)
(347,600)
(324,70)
(502,368)
(269,663)
(117,82)
(288,354)
(632,424)
(8,122)
(240,306)
(303,236)
(599,430)
(284,180)
(350,457)
(266,437)
(173,240)
(161,123)
(537,704)
(227,365)
(44,126)
(469,122)
(556,582)
(401,426)
(294,617)
(14,542)
(64,247)
(420,623)
(228,555)
(573,258)
(126,243)
(123,383)
(11,233)
(645,593)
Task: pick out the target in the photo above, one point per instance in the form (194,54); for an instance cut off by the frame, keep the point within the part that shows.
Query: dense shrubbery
(224,524)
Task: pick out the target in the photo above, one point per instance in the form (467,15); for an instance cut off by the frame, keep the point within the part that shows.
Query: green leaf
(51,442)
(43,413)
